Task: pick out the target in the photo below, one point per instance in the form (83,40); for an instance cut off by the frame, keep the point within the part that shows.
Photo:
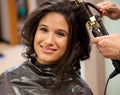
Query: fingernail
(104,12)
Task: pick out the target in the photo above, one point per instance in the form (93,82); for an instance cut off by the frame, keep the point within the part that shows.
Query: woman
(54,34)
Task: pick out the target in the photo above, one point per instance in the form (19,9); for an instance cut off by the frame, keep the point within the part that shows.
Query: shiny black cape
(36,79)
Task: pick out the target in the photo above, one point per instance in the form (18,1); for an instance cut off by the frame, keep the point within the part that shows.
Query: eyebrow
(42,25)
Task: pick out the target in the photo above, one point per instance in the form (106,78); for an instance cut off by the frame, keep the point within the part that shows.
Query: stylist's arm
(109,45)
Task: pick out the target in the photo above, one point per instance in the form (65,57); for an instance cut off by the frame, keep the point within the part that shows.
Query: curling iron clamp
(94,23)
(98,29)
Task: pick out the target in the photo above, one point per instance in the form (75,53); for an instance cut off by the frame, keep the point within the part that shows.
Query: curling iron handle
(97,31)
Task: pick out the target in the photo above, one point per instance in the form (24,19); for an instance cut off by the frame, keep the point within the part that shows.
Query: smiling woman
(54,35)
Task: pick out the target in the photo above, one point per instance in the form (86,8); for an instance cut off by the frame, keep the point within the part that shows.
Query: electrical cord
(106,85)
(114,73)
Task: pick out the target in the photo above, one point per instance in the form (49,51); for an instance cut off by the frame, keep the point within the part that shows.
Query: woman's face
(51,38)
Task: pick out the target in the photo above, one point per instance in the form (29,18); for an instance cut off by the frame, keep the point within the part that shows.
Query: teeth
(45,48)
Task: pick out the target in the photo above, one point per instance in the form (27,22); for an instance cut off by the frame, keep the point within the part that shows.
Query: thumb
(95,40)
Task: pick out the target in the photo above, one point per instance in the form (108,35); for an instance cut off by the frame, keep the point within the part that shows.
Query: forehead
(56,19)
(54,15)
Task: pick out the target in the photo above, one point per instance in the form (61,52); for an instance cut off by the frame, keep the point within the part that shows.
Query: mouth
(47,49)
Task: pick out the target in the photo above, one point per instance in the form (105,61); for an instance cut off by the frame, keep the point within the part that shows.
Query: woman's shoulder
(11,75)
(16,70)
(16,67)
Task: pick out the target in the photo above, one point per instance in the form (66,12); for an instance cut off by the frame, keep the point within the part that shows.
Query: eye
(60,34)
(43,29)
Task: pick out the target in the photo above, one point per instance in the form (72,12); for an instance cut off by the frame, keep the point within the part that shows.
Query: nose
(50,39)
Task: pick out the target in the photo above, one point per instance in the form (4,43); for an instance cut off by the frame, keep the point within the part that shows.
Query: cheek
(63,46)
(37,39)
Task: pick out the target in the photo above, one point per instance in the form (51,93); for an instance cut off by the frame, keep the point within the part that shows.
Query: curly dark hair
(78,41)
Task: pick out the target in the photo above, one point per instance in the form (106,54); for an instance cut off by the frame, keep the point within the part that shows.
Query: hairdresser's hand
(109,46)
(109,9)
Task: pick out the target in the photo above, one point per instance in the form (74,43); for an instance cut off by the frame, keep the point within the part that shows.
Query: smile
(47,49)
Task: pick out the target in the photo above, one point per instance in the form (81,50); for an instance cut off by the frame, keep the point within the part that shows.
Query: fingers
(106,6)
(101,41)
(108,45)
(96,40)
(101,45)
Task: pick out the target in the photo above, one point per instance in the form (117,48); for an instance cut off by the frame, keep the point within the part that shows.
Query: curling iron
(98,29)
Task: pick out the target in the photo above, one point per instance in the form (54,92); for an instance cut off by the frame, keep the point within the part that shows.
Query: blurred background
(95,70)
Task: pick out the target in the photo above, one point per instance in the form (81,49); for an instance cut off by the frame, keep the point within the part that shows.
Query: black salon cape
(35,79)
